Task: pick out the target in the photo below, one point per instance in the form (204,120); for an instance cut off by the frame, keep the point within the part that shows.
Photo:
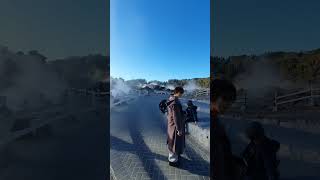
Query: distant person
(191,114)
(223,94)
(175,131)
(261,154)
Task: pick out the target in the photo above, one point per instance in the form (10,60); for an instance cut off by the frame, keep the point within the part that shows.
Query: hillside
(293,66)
(28,79)
(82,72)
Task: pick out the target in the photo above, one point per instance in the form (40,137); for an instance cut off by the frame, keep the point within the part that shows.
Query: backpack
(163,105)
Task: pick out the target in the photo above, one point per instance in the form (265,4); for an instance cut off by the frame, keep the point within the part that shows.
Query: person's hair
(178,90)
(223,89)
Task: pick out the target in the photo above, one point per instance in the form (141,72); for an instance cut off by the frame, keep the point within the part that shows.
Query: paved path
(138,145)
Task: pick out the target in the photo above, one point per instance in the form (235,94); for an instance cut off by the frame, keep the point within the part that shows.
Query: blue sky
(254,27)
(159,40)
(56,28)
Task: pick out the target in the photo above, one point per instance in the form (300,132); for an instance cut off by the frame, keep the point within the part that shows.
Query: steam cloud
(118,88)
(170,86)
(27,81)
(262,78)
(191,86)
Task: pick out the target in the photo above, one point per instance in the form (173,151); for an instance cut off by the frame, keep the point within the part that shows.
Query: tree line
(295,66)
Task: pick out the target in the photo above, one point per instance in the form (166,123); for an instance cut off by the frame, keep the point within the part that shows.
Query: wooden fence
(85,91)
(309,93)
(202,92)
(11,136)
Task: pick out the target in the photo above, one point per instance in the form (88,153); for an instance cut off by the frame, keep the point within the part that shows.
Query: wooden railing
(11,136)
(202,92)
(85,91)
(123,100)
(310,94)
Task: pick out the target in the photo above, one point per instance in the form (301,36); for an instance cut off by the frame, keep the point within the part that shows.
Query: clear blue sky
(56,28)
(159,40)
(253,27)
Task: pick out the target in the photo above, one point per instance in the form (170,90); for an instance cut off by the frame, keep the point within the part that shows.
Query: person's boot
(174,164)
(171,163)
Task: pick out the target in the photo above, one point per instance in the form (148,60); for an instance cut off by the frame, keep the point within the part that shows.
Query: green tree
(311,65)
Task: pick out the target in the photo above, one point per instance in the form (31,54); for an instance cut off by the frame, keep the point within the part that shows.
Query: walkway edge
(112,174)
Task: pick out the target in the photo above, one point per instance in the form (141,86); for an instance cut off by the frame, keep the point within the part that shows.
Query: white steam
(261,80)
(191,86)
(170,86)
(118,87)
(27,81)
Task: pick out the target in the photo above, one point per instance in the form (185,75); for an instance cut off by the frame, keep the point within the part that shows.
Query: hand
(179,133)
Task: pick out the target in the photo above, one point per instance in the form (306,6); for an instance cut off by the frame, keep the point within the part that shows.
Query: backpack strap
(169,102)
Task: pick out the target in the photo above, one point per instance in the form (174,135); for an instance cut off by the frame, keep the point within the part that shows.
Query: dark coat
(221,157)
(175,123)
(191,114)
(262,160)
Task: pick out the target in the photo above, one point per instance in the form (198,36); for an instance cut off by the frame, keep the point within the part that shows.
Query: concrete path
(138,145)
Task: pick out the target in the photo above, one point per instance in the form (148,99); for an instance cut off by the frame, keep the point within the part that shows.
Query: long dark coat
(175,123)
(221,156)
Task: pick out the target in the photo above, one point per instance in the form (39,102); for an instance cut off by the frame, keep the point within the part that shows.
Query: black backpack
(163,105)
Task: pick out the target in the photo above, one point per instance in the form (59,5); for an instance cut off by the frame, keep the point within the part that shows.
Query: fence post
(275,106)
(311,94)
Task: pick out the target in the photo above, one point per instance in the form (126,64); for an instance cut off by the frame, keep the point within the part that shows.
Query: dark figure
(260,155)
(222,93)
(175,131)
(191,114)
